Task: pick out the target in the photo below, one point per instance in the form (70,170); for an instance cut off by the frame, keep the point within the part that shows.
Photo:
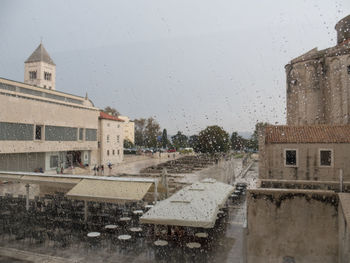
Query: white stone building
(41,128)
(111,139)
(129,128)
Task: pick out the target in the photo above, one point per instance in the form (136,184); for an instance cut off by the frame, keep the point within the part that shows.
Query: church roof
(40,54)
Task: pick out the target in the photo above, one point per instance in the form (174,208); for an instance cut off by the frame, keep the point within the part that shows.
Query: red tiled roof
(308,134)
(106,116)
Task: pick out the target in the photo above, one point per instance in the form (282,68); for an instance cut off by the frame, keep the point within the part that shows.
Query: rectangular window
(117,138)
(349,69)
(107,138)
(290,158)
(118,152)
(108,152)
(325,157)
(90,134)
(81,134)
(47,76)
(53,161)
(38,132)
(32,74)
(113,152)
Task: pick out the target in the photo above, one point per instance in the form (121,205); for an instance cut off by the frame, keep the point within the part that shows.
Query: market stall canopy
(196,205)
(109,191)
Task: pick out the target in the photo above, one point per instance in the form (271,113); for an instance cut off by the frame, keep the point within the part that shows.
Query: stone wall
(344,228)
(271,162)
(285,225)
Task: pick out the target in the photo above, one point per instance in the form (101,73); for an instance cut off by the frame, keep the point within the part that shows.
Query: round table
(135,229)
(221,212)
(160,243)
(125,218)
(111,227)
(124,237)
(137,212)
(201,235)
(193,245)
(94,234)
(237,192)
(149,206)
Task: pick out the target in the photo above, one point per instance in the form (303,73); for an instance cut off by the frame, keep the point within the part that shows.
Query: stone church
(318,83)
(315,143)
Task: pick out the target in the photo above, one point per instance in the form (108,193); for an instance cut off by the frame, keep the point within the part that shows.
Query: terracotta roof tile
(308,134)
(106,116)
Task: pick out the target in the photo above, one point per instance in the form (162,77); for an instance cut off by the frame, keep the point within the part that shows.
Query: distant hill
(245,135)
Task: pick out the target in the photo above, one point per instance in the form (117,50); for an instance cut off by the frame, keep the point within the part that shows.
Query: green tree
(151,133)
(111,111)
(179,140)
(254,140)
(193,142)
(140,125)
(128,144)
(165,141)
(237,142)
(214,139)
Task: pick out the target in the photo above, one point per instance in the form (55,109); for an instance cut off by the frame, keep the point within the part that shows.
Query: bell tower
(40,70)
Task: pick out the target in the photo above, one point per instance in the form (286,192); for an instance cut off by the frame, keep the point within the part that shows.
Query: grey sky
(187,63)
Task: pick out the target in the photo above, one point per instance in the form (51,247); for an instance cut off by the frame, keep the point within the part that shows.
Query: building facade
(41,128)
(129,129)
(111,139)
(313,152)
(318,83)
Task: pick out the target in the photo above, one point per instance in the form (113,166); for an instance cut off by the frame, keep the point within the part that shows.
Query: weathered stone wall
(271,164)
(344,228)
(318,91)
(292,224)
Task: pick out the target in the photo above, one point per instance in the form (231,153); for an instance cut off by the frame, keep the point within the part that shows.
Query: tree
(193,142)
(179,140)
(128,144)
(214,139)
(111,111)
(254,139)
(165,141)
(151,133)
(140,125)
(237,142)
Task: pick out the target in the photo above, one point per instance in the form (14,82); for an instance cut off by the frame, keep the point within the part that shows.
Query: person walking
(95,169)
(102,169)
(109,167)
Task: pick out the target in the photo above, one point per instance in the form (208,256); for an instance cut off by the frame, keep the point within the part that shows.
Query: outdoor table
(234,196)
(160,243)
(124,237)
(135,229)
(237,192)
(111,227)
(221,212)
(93,234)
(137,212)
(193,245)
(6,213)
(124,219)
(149,206)
(201,235)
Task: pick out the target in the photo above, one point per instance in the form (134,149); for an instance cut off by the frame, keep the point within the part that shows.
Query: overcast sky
(188,63)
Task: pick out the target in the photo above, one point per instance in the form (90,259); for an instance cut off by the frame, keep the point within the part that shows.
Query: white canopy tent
(196,205)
